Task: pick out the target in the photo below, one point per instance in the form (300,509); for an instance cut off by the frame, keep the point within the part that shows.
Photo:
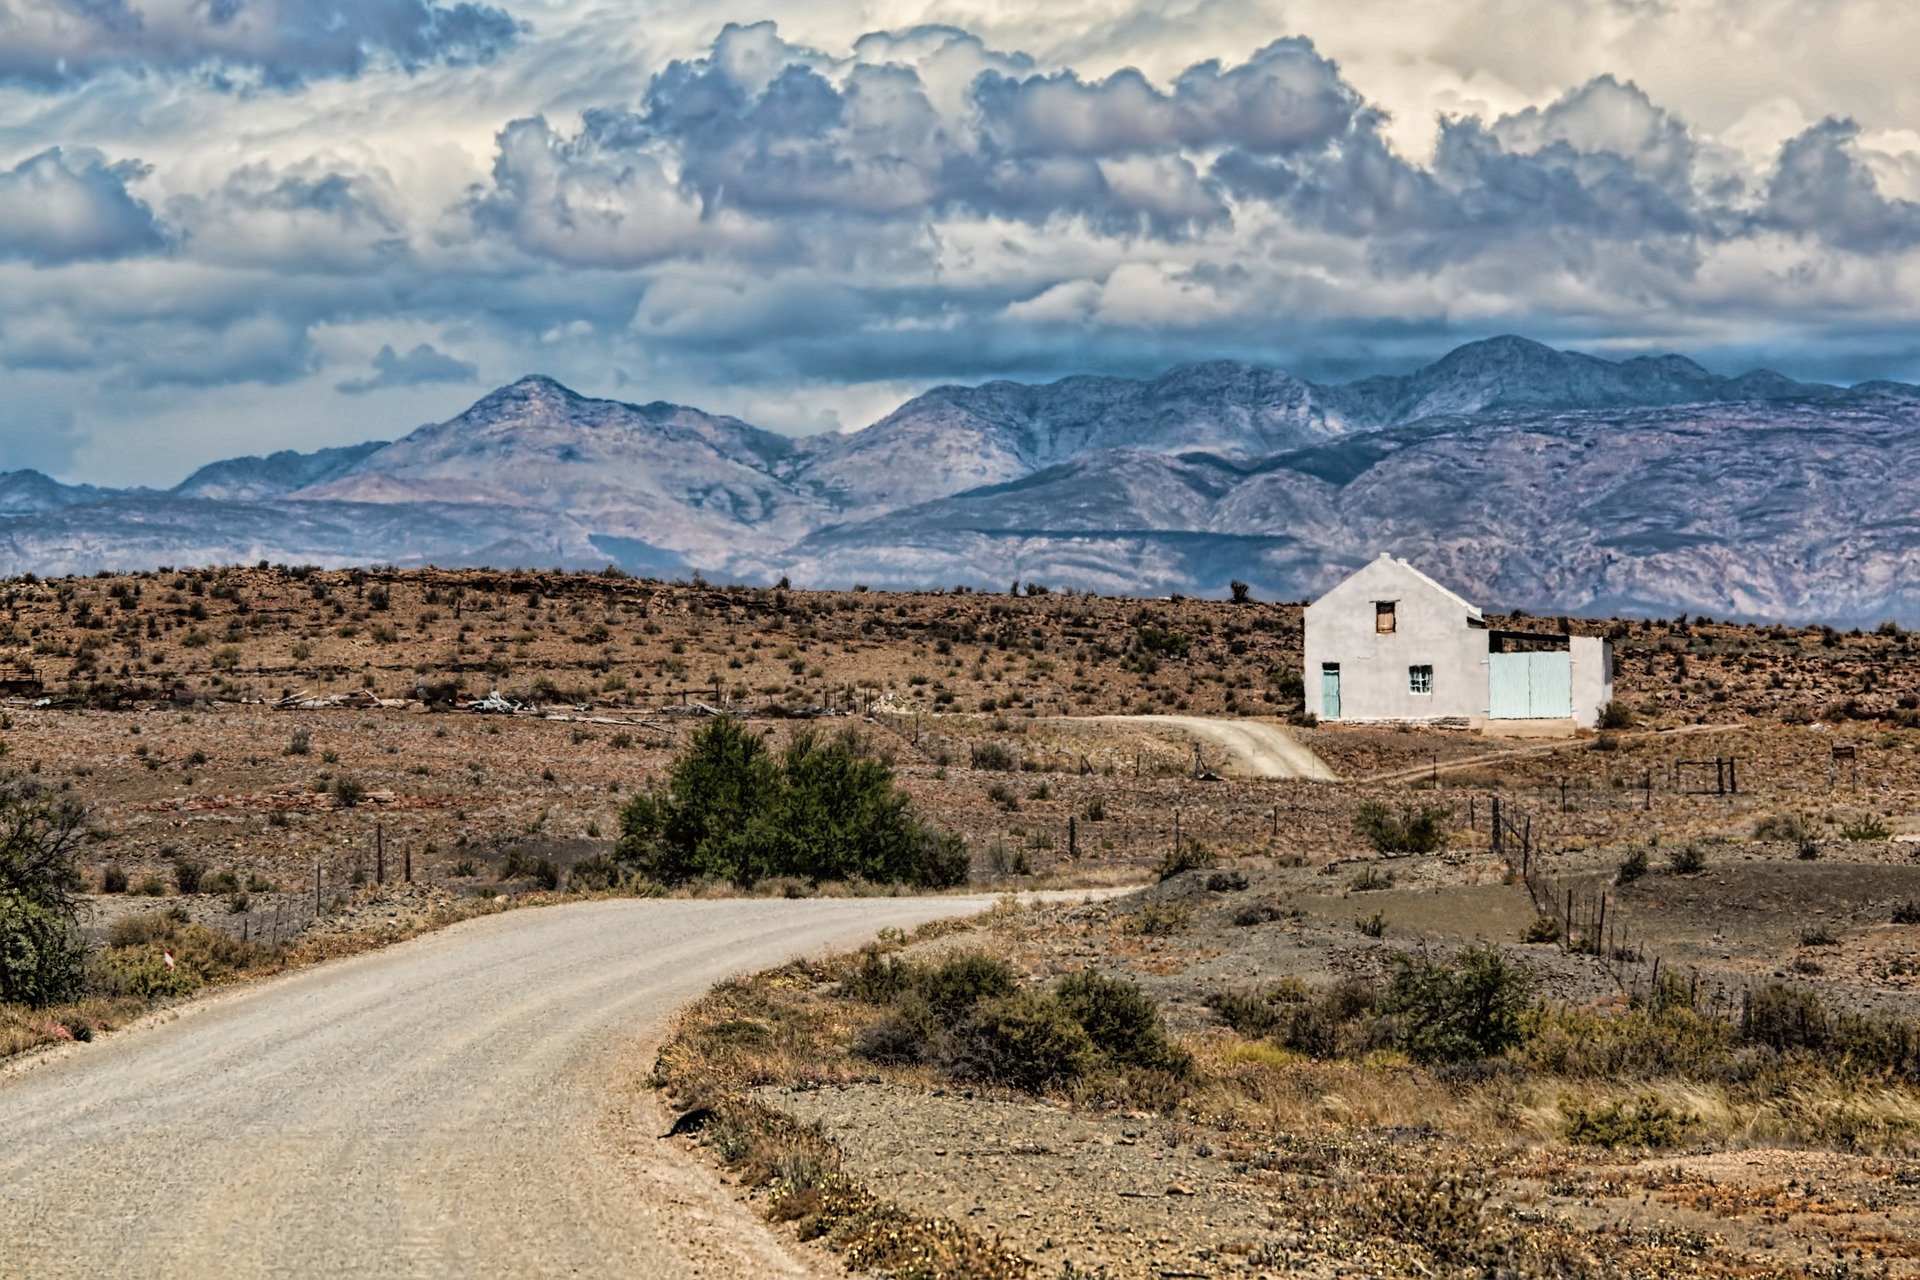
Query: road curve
(460,1105)
(1255,748)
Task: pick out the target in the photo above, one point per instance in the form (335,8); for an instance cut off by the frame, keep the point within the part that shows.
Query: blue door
(1329,691)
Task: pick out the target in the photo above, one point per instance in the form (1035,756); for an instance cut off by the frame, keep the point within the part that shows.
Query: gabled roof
(1398,569)
(1454,596)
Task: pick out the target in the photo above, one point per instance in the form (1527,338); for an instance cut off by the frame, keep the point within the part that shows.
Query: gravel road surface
(1255,748)
(461,1105)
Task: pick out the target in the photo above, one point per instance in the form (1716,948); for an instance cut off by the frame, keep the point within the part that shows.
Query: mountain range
(1521,475)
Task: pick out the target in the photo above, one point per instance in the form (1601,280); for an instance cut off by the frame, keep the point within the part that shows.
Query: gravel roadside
(458,1105)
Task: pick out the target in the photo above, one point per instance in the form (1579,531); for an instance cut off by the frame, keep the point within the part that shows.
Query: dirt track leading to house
(460,1105)
(1255,748)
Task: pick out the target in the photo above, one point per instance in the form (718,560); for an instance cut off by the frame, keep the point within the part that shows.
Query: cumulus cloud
(749,220)
(307,216)
(419,367)
(1284,98)
(589,200)
(1823,187)
(773,134)
(764,130)
(73,206)
(51,43)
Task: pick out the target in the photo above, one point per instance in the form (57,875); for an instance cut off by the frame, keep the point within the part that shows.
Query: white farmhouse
(1391,644)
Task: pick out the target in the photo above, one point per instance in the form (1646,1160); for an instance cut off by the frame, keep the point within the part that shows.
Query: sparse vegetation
(1644,1122)
(1866,827)
(1189,855)
(1631,867)
(1410,829)
(1325,1103)
(1687,860)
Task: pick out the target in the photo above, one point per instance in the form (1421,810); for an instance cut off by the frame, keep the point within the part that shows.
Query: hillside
(1528,477)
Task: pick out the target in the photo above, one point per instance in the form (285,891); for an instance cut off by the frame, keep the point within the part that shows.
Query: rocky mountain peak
(536,391)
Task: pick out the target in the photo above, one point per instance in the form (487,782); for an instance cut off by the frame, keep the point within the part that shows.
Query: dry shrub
(134,961)
(1189,855)
(804,1182)
(1643,1122)
(1157,919)
(22,1029)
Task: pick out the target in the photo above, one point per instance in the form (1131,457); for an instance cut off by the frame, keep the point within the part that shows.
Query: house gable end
(1389,579)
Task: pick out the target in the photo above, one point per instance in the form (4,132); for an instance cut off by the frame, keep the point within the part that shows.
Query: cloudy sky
(233,226)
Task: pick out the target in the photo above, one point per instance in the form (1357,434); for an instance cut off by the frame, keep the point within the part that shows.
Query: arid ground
(254,733)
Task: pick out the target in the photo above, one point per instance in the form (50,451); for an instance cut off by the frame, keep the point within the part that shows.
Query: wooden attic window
(1383,617)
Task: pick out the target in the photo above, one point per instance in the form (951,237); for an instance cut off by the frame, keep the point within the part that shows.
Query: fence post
(316,888)
(1647,806)
(1073,837)
(379,855)
(1499,835)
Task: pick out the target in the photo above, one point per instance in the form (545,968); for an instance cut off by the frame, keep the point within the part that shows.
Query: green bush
(1025,1041)
(1471,1007)
(949,989)
(1189,855)
(593,874)
(1321,1024)
(42,958)
(1631,867)
(1688,860)
(1784,1018)
(40,833)
(1122,1021)
(958,984)
(823,810)
(134,963)
(187,874)
(1867,827)
(1163,642)
(1645,1122)
(1413,829)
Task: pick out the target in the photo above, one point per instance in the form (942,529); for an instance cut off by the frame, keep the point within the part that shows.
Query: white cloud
(1147,181)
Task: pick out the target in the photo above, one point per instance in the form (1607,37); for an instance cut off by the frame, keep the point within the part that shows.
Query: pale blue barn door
(1329,691)
(1529,686)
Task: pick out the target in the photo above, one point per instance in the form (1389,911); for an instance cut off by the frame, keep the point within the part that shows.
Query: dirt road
(460,1105)
(1255,748)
